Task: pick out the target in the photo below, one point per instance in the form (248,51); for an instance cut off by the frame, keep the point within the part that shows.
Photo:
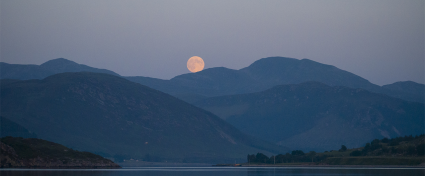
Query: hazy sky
(382,41)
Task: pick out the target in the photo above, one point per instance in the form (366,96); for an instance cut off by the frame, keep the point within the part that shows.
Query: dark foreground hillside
(31,152)
(117,118)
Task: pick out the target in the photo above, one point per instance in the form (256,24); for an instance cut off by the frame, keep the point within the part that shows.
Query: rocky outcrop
(8,157)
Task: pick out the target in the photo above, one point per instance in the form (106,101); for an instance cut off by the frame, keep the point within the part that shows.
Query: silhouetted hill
(22,72)
(315,116)
(51,67)
(406,86)
(406,90)
(19,152)
(214,81)
(114,117)
(9,128)
(278,70)
(62,65)
(193,87)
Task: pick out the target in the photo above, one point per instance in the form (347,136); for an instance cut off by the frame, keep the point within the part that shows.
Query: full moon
(195,64)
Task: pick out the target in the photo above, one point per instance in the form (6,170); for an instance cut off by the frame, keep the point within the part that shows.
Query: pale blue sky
(380,40)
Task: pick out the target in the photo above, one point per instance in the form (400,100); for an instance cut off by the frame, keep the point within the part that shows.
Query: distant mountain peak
(272,65)
(408,87)
(407,83)
(273,60)
(61,65)
(216,72)
(58,62)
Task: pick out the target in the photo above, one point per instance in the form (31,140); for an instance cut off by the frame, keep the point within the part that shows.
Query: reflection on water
(222,171)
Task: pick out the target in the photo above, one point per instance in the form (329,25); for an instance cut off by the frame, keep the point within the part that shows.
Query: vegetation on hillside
(400,146)
(407,150)
(30,148)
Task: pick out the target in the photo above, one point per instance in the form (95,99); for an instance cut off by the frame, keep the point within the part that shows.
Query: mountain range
(300,104)
(267,73)
(259,76)
(315,116)
(114,117)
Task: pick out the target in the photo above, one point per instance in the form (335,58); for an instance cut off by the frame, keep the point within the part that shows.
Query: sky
(379,40)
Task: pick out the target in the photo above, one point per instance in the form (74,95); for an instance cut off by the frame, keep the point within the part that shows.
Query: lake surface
(220,171)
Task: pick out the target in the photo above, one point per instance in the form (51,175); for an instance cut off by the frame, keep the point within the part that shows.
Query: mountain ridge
(264,74)
(315,116)
(258,76)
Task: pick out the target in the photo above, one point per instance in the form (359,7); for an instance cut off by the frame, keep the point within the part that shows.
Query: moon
(195,64)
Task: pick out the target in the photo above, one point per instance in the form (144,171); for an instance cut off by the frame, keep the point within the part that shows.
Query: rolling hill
(114,117)
(51,67)
(315,116)
(407,90)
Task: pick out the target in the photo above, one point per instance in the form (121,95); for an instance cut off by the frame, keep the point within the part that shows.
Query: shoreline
(320,166)
(63,167)
(242,166)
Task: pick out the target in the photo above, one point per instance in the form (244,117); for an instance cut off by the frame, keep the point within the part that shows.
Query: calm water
(216,171)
